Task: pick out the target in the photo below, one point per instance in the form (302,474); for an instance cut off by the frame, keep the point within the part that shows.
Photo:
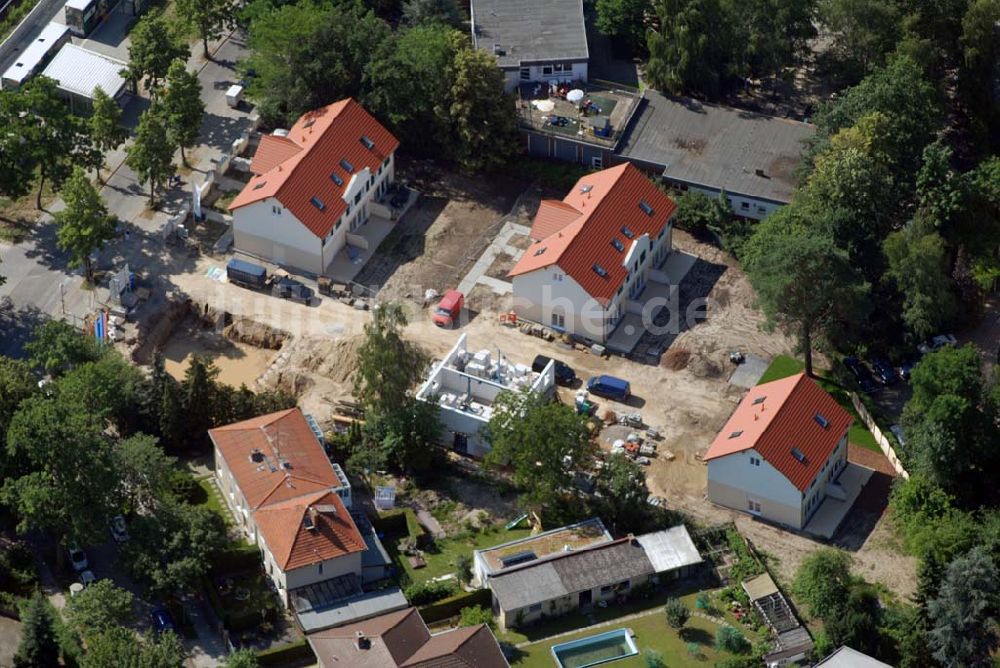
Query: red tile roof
(283,526)
(553,215)
(606,202)
(325,137)
(401,639)
(776,417)
(291,460)
(271,152)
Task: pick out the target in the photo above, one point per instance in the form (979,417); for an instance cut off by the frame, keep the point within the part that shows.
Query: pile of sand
(675,359)
(335,360)
(703,367)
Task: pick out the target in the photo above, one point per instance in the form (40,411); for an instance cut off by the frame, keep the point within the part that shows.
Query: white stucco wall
(267,229)
(544,72)
(733,481)
(742,205)
(541,293)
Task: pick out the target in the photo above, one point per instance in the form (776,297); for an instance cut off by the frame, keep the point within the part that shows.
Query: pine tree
(171,420)
(199,397)
(38,648)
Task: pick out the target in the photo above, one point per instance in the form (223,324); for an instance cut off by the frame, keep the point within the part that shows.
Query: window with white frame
(559,320)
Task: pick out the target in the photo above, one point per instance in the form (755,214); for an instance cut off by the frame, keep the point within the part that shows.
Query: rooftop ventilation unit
(256,456)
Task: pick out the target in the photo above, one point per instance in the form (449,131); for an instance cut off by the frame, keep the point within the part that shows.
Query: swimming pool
(593,650)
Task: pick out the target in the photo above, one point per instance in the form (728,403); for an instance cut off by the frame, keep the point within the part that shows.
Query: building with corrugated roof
(595,251)
(781,453)
(314,187)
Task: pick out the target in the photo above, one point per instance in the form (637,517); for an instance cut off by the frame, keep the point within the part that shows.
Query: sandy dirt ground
(455,222)
(238,363)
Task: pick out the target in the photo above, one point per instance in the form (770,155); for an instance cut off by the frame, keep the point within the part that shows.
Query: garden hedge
(398,522)
(449,607)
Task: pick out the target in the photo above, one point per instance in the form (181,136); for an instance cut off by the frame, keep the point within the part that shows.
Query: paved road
(26,32)
(39,283)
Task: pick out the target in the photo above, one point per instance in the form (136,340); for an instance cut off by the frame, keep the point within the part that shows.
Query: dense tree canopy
(963,616)
(154,45)
(84,226)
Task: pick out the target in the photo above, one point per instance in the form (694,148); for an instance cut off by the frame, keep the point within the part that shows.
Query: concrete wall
(733,481)
(268,230)
(545,72)
(562,605)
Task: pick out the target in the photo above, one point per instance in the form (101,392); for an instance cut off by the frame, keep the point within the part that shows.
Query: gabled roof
(274,457)
(271,152)
(784,421)
(342,131)
(592,247)
(553,215)
(285,528)
(400,639)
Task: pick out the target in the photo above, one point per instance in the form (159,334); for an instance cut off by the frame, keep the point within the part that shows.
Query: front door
(586,597)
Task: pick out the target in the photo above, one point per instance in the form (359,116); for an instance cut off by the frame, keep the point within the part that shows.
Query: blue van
(609,387)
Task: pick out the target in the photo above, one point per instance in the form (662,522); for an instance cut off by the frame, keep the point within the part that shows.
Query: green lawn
(651,630)
(440,561)
(209,498)
(783,366)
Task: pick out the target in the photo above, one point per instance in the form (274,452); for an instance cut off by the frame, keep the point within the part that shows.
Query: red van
(449,308)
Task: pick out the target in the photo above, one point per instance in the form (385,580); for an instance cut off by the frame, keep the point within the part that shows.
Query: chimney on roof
(361,641)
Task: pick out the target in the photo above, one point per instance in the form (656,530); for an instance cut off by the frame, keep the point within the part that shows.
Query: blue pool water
(594,650)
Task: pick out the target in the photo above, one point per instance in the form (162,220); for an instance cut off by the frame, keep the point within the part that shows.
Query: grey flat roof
(530,31)
(339,601)
(670,549)
(578,536)
(717,147)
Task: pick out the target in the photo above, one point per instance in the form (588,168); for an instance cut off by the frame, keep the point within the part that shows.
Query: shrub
(422,593)
(730,640)
(476,615)
(185,488)
(653,659)
(463,567)
(677,613)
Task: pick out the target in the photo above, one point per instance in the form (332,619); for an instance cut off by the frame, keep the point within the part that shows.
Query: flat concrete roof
(670,549)
(575,536)
(529,31)
(717,147)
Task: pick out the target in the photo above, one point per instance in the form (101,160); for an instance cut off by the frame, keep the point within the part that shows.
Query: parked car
(77,557)
(288,288)
(861,374)
(246,274)
(87,578)
(449,309)
(610,387)
(937,343)
(118,529)
(162,620)
(564,373)
(883,370)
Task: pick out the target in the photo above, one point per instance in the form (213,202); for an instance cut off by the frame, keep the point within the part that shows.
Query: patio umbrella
(574,95)
(544,105)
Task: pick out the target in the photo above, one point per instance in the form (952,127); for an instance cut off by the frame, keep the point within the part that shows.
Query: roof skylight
(646,208)
(336,179)
(317,202)
(600,271)
(348,167)
(367,142)
(798,455)
(619,246)
(627,232)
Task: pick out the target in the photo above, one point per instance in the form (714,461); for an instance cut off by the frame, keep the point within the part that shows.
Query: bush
(476,614)
(730,640)
(463,567)
(453,605)
(653,659)
(677,613)
(422,593)
(185,488)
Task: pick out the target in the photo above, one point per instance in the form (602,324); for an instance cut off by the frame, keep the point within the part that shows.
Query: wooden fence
(880,438)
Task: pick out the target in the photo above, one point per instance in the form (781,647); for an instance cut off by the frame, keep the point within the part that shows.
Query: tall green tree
(919,265)
(17,159)
(57,347)
(771,35)
(199,392)
(57,138)
(804,283)
(692,50)
(388,365)
(537,438)
(122,647)
(624,492)
(242,658)
(144,471)
(105,125)
(307,55)
(823,581)
(863,33)
(963,631)
(446,12)
(154,45)
(480,111)
(38,647)
(182,107)
(152,153)
(17,383)
(84,226)
(623,20)
(208,17)
(99,608)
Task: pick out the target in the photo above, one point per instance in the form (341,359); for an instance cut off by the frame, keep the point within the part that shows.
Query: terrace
(533,548)
(599,117)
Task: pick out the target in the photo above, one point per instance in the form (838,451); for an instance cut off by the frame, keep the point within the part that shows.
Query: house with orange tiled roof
(782,453)
(594,253)
(289,499)
(314,187)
